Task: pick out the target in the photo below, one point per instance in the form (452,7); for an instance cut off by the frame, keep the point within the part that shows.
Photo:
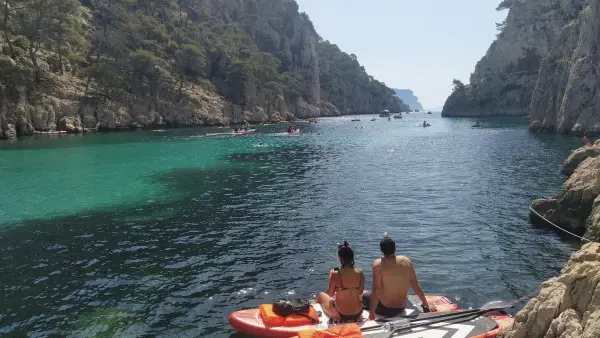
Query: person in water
(392,276)
(346,285)
(424,123)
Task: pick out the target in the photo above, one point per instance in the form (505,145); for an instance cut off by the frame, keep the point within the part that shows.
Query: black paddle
(491,306)
(448,316)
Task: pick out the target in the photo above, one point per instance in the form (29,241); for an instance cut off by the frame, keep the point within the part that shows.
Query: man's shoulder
(377,262)
(403,259)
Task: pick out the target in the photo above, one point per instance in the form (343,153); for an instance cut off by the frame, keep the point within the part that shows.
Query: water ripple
(214,224)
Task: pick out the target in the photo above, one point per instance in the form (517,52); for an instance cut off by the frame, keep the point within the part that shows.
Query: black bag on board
(285,308)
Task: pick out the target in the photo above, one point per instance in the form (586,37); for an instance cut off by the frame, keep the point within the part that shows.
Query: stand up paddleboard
(487,326)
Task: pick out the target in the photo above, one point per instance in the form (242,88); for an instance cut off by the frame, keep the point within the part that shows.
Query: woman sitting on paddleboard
(346,286)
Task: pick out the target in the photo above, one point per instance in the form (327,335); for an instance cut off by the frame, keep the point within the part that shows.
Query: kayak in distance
(444,320)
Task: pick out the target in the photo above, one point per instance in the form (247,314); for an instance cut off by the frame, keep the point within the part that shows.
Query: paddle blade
(496,305)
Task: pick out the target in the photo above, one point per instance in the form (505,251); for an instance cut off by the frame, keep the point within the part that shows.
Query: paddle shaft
(445,316)
(461,316)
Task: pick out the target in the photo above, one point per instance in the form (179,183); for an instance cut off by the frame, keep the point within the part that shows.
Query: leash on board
(556,226)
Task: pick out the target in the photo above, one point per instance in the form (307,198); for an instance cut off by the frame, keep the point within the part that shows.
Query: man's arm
(414,284)
(376,289)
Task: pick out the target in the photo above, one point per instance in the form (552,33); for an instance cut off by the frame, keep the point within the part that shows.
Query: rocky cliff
(408,97)
(568,306)
(577,207)
(504,80)
(81,65)
(567,95)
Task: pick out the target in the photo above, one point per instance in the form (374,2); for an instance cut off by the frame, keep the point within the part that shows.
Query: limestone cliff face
(568,306)
(577,207)
(407,96)
(567,95)
(505,78)
(177,63)
(295,46)
(62,106)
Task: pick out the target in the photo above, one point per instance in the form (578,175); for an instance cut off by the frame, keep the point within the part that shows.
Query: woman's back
(344,291)
(349,287)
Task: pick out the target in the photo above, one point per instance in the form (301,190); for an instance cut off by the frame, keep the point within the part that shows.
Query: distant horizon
(422,51)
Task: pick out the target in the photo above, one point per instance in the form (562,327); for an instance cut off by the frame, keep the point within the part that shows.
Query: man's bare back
(395,274)
(392,276)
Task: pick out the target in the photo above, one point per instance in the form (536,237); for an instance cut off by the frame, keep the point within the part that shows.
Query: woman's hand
(371,315)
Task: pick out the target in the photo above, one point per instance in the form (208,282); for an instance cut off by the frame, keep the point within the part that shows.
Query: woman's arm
(332,282)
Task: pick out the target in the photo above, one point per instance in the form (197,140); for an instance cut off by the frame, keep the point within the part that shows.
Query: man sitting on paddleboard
(392,276)
(346,285)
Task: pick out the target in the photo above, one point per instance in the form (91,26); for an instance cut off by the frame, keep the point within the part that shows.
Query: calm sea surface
(167,232)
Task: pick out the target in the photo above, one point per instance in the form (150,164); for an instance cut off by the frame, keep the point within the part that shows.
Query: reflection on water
(218,224)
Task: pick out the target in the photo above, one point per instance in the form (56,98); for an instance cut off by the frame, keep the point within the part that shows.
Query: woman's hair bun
(346,244)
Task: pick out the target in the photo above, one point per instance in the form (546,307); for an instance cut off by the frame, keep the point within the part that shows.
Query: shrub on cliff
(242,49)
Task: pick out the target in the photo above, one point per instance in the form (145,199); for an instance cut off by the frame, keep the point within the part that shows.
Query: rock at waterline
(8,131)
(577,207)
(579,155)
(70,124)
(568,305)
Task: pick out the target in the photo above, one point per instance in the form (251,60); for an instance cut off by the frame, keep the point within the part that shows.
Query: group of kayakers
(346,297)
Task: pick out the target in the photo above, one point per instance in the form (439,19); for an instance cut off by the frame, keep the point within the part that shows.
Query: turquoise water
(167,232)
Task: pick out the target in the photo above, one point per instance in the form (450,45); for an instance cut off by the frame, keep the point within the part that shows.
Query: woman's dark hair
(346,255)
(387,246)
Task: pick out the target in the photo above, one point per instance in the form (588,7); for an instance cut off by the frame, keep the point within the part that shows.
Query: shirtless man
(392,275)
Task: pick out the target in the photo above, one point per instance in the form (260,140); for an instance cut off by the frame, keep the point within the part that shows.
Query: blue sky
(416,44)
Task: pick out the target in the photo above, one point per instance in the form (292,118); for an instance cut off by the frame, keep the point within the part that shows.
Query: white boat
(385,113)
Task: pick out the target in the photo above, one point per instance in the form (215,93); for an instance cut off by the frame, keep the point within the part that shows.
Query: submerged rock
(567,305)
